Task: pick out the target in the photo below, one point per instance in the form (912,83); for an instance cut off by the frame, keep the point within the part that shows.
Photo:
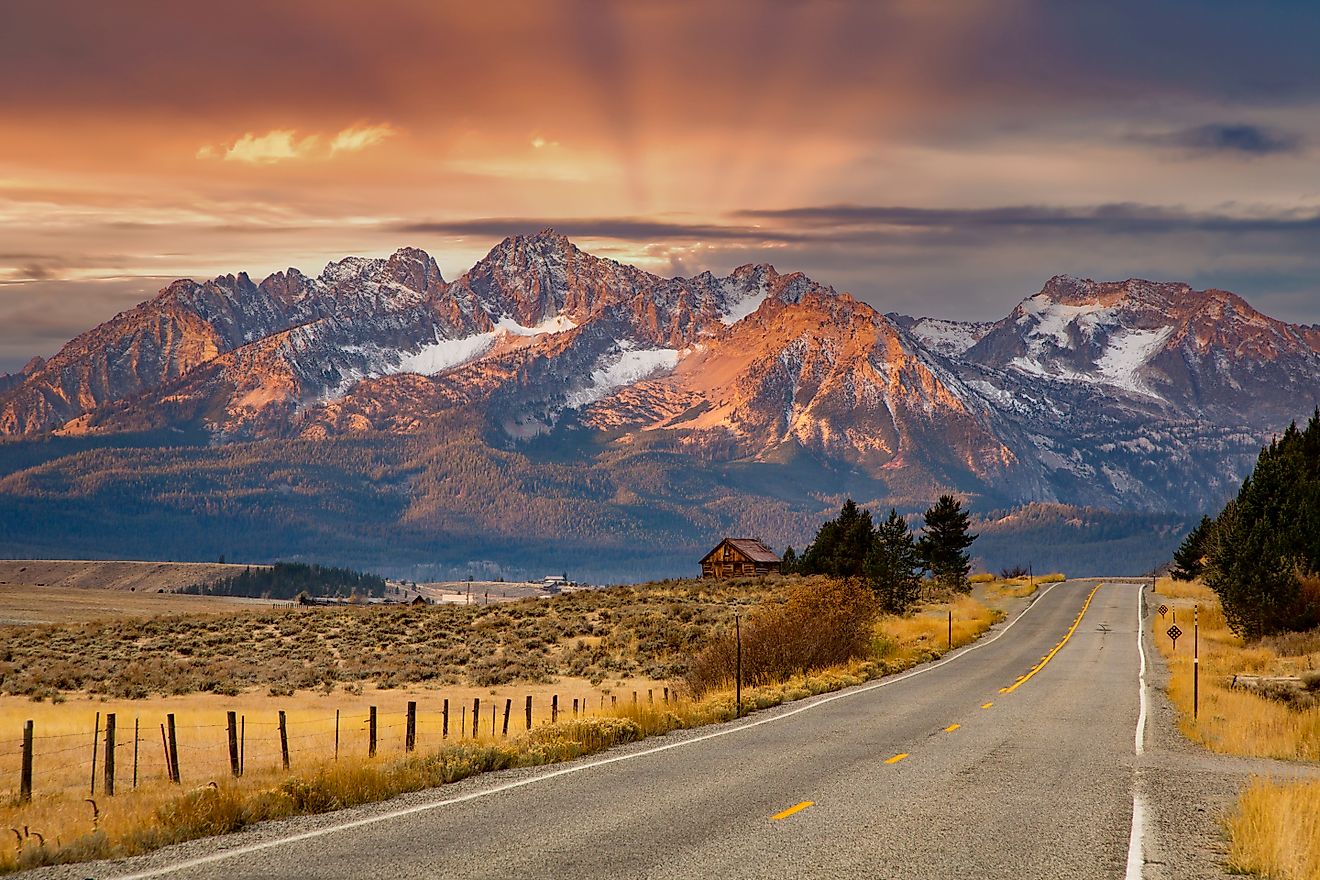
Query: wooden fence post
(634,698)
(666,696)
(462,721)
(444,721)
(25,777)
(96,741)
(165,747)
(410,731)
(110,754)
(371,734)
(174,748)
(476,715)
(492,717)
(575,707)
(232,724)
(650,695)
(614,700)
(336,734)
(529,711)
(508,707)
(554,708)
(284,741)
(242,744)
(136,731)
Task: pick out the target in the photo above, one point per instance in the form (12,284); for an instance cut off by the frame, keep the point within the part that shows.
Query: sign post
(1196,661)
(737,631)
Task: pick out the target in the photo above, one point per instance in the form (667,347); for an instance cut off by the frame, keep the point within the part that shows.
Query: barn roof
(751,547)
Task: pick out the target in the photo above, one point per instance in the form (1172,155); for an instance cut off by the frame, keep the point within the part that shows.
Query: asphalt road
(938,773)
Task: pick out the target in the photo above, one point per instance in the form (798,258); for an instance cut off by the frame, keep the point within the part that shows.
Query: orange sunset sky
(933,158)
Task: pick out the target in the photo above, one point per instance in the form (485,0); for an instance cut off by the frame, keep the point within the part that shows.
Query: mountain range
(551,408)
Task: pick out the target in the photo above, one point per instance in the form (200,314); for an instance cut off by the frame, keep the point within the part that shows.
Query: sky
(938,159)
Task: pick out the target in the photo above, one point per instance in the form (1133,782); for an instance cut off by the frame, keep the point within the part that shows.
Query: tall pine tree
(1263,550)
(893,567)
(1187,559)
(943,545)
(841,544)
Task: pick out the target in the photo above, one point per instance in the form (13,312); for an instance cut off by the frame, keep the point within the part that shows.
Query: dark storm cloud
(1230,139)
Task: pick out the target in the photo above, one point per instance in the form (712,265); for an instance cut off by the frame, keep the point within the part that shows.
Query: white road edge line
(1136,859)
(565,771)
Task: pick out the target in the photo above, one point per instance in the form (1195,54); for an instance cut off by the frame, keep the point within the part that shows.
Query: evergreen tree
(841,544)
(893,566)
(944,543)
(1263,550)
(788,564)
(1187,564)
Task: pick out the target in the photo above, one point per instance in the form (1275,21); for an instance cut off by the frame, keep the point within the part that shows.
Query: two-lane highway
(1012,758)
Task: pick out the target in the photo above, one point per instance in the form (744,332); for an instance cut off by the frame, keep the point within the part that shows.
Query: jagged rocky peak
(536,278)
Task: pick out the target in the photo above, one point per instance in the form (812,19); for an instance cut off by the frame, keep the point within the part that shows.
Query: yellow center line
(986,705)
(894,760)
(951,728)
(793,809)
(1050,656)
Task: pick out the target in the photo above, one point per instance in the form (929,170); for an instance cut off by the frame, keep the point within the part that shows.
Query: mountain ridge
(1131,395)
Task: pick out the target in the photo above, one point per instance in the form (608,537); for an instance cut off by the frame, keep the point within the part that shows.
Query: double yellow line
(1050,656)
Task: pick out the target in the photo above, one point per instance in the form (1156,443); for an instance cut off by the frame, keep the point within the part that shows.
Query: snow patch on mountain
(556,324)
(1052,320)
(624,367)
(743,305)
(1128,352)
(445,353)
(949,338)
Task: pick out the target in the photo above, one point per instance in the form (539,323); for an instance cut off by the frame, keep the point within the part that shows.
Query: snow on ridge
(445,353)
(949,338)
(554,324)
(631,365)
(746,303)
(1127,352)
(1053,319)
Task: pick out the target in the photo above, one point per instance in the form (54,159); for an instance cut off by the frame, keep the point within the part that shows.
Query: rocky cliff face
(1131,393)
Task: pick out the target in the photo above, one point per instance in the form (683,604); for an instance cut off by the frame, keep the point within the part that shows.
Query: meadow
(613,651)
(1275,830)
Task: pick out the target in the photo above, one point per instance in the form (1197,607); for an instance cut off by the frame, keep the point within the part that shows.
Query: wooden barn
(733,557)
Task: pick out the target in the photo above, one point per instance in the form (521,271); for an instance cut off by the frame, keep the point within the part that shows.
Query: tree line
(285,580)
(888,556)
(1261,554)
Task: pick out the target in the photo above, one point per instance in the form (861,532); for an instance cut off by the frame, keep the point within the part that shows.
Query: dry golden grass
(1231,720)
(1276,830)
(63,731)
(923,635)
(32,606)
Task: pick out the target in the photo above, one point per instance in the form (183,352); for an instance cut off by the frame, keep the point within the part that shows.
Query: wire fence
(120,751)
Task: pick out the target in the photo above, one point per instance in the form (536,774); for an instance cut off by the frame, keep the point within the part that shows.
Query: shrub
(822,623)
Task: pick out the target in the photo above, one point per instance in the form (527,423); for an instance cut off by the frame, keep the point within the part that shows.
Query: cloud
(1112,219)
(1233,139)
(624,228)
(357,138)
(283,144)
(273,146)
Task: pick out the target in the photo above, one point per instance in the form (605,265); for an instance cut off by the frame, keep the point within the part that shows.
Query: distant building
(553,583)
(739,556)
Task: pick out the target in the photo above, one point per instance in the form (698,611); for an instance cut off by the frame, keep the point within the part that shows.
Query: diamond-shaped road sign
(1173,633)
(1163,609)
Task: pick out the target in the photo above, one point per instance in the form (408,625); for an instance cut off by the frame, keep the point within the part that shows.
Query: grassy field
(1276,829)
(599,648)
(139,577)
(35,606)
